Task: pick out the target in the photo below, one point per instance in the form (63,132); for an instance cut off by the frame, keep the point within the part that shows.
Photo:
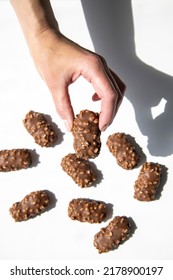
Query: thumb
(63,105)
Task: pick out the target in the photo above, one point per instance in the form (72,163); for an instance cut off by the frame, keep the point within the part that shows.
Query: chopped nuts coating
(147,182)
(86,210)
(79,170)
(32,205)
(15,159)
(110,237)
(86,134)
(40,129)
(123,150)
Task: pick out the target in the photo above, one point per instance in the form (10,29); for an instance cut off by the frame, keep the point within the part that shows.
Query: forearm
(35,16)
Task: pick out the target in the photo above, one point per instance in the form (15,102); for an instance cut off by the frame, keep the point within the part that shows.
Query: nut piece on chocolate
(110,237)
(15,159)
(123,150)
(32,205)
(40,129)
(79,170)
(86,210)
(86,134)
(145,187)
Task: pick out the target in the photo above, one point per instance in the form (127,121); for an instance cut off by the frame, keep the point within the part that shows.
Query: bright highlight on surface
(158,109)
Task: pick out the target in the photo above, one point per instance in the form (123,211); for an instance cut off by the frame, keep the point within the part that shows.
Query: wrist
(42,46)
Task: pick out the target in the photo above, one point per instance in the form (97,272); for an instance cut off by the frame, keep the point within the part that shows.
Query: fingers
(108,110)
(119,82)
(110,90)
(108,86)
(63,105)
(119,88)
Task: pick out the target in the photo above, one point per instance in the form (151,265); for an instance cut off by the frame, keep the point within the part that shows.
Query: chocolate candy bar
(79,170)
(15,159)
(86,210)
(86,134)
(37,125)
(32,205)
(148,181)
(110,237)
(124,152)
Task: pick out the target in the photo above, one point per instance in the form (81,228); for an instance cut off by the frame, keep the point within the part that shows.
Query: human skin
(60,62)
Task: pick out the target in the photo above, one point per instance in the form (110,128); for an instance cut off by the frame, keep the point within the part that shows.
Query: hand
(61,62)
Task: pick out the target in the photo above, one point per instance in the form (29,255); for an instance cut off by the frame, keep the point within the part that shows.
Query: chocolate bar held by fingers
(86,134)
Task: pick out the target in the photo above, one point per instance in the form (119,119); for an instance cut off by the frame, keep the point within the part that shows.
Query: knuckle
(95,60)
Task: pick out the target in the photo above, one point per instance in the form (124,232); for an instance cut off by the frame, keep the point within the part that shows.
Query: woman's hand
(61,62)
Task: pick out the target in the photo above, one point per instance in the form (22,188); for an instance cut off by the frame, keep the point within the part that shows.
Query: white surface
(53,235)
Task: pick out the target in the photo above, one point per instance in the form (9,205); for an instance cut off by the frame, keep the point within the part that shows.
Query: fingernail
(67,125)
(104,127)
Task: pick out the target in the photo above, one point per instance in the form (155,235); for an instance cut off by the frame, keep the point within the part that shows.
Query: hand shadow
(111,28)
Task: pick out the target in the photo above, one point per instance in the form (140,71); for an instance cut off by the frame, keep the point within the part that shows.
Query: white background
(144,59)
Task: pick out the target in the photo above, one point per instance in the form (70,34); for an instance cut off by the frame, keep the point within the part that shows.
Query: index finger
(108,92)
